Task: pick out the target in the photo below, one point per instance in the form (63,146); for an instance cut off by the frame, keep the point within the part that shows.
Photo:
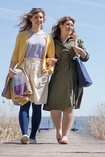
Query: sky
(89,25)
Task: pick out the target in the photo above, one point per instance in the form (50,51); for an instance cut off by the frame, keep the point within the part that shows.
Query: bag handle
(76,56)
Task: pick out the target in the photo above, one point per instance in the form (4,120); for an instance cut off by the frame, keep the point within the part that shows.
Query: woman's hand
(80,51)
(12,72)
(46,72)
(51,61)
(77,49)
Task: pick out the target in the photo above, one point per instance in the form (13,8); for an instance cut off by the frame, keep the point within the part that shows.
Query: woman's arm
(11,71)
(14,58)
(80,51)
(51,61)
(79,48)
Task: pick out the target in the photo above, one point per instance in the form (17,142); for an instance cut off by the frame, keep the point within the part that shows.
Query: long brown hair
(56,28)
(25,23)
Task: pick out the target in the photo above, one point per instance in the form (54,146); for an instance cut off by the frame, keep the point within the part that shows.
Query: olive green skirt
(63,89)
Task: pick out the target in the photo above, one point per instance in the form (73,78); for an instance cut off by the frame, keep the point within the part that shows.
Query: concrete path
(47,146)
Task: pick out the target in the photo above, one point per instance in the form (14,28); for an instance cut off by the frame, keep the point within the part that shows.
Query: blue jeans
(35,119)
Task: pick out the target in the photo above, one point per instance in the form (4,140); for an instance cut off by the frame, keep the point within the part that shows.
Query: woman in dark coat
(64,92)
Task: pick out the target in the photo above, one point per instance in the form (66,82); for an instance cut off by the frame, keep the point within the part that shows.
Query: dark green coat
(64,91)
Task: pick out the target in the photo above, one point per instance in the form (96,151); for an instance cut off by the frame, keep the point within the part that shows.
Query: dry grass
(9,129)
(9,125)
(96,123)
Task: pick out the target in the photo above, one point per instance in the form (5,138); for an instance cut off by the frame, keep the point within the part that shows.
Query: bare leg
(68,117)
(56,118)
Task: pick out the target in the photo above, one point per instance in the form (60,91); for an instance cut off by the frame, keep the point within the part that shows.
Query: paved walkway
(47,146)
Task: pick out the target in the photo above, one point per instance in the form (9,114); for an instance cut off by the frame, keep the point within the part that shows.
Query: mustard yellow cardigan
(21,46)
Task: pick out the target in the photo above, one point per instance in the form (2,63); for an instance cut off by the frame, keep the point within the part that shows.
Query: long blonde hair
(25,23)
(56,29)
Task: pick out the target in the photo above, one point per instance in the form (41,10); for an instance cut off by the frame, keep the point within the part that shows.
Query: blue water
(80,124)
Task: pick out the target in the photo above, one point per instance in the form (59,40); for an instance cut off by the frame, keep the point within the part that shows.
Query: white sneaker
(32,141)
(25,139)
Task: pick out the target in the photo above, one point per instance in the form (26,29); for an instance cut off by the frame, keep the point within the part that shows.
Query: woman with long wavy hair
(65,94)
(30,52)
